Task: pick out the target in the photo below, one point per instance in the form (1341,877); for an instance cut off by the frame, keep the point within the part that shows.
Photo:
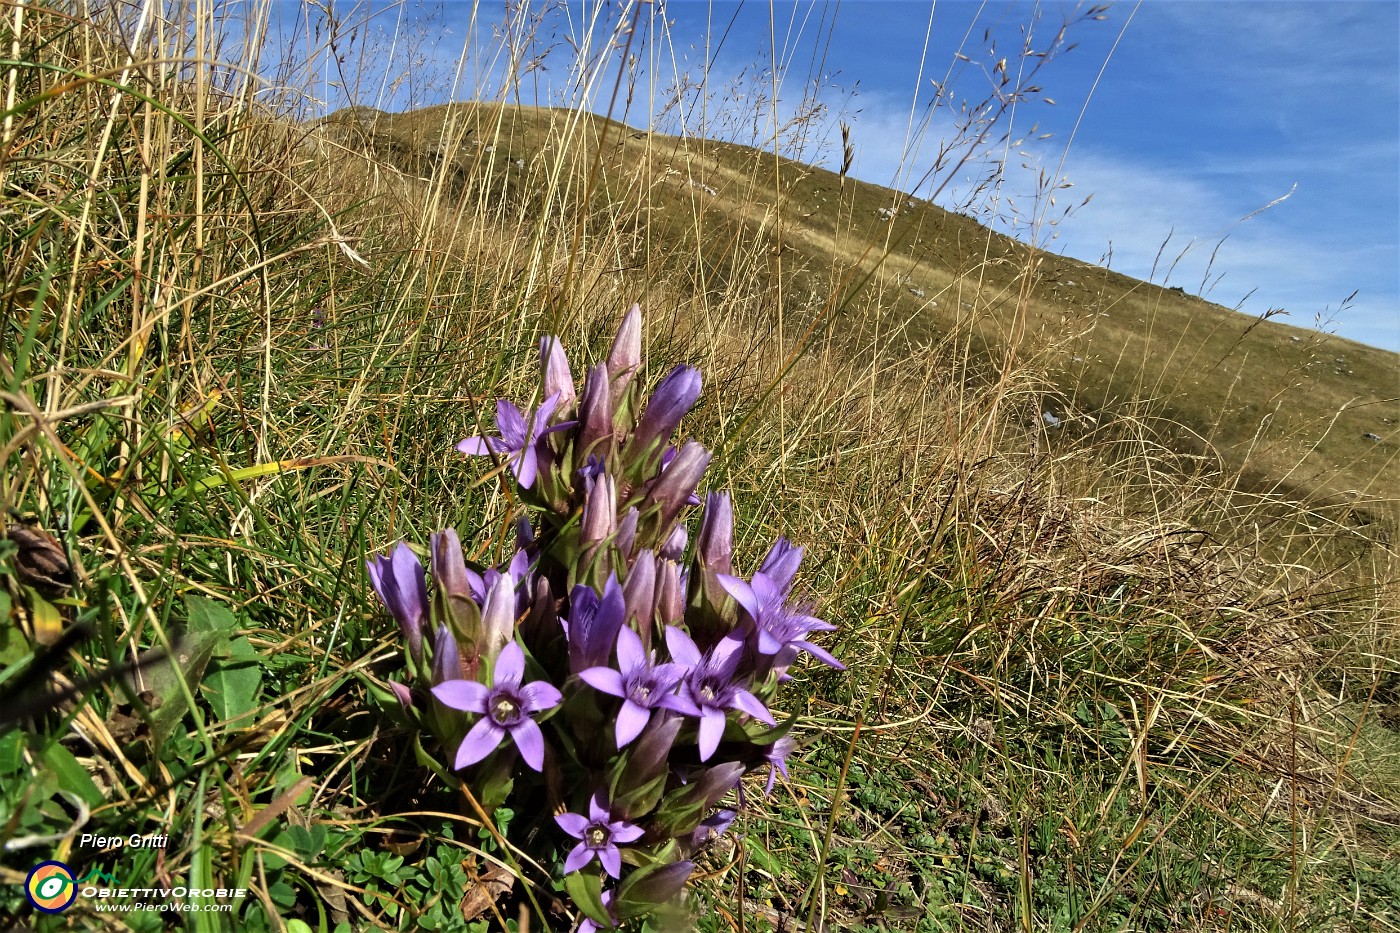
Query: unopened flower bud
(556,376)
(668,405)
(595,415)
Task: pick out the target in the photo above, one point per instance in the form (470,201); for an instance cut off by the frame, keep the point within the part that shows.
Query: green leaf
(586,889)
(308,842)
(232,689)
(209,616)
(207,634)
(11,753)
(71,776)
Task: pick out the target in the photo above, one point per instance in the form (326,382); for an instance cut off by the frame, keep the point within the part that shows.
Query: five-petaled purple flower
(518,439)
(642,684)
(782,630)
(505,709)
(598,834)
(711,687)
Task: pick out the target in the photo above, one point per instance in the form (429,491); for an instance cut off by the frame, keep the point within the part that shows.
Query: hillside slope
(1286,410)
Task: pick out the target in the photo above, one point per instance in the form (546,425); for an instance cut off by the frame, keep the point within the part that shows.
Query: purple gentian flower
(497,613)
(598,834)
(710,686)
(639,592)
(666,458)
(626,353)
(518,439)
(675,487)
(670,592)
(779,627)
(782,630)
(595,417)
(447,661)
(625,357)
(593,623)
(777,761)
(599,521)
(714,544)
(505,709)
(400,583)
(626,538)
(555,375)
(712,827)
(672,399)
(674,546)
(642,684)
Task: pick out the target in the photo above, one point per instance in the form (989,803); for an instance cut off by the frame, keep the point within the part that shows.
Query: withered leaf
(487,889)
(41,561)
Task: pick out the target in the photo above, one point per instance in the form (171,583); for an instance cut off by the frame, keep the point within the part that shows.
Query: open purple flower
(505,709)
(777,761)
(779,627)
(711,688)
(598,834)
(642,684)
(782,630)
(518,439)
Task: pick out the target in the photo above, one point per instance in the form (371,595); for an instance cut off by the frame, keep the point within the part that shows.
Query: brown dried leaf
(41,561)
(488,888)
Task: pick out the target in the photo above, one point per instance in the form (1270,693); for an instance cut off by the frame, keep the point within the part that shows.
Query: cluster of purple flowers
(610,672)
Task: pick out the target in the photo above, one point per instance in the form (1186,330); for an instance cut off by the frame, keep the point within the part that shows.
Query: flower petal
(465,695)
(527,467)
(530,741)
(743,593)
(540,695)
(747,702)
(572,823)
(511,423)
(631,655)
(478,445)
(782,562)
(711,731)
(579,856)
(625,832)
(510,665)
(542,413)
(725,656)
(682,649)
(605,679)
(767,642)
(611,859)
(631,720)
(821,654)
(480,742)
(680,702)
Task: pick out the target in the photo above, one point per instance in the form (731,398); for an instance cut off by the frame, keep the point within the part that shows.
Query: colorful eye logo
(50,887)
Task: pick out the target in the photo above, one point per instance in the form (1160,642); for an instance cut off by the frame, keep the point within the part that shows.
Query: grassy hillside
(1138,671)
(1286,409)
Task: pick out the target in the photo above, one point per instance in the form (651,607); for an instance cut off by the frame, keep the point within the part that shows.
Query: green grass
(1134,674)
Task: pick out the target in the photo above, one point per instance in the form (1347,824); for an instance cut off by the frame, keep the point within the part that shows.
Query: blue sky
(1187,120)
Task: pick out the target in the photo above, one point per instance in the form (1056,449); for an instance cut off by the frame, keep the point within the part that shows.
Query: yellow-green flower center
(504,710)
